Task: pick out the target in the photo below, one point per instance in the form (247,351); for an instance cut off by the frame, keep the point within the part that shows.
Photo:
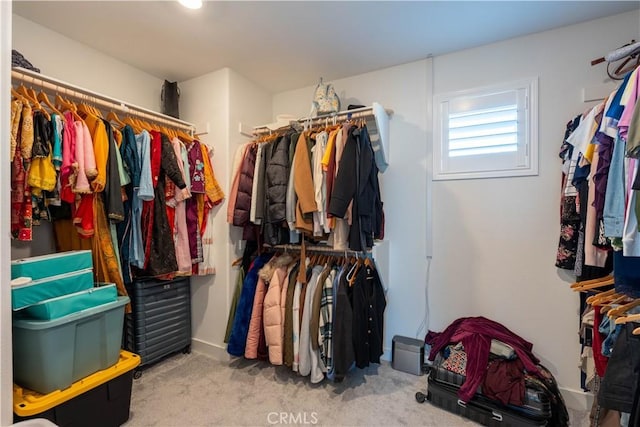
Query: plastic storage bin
(407,354)
(102,399)
(52,354)
(67,304)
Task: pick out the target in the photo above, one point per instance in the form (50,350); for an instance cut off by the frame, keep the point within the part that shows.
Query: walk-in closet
(319,213)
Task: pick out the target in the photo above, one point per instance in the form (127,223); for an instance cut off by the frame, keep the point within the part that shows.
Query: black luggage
(442,391)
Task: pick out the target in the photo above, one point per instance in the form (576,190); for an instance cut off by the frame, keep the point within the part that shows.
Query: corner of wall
(6,366)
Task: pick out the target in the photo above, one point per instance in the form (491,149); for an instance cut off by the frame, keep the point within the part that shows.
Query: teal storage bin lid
(32,324)
(36,291)
(39,267)
(54,308)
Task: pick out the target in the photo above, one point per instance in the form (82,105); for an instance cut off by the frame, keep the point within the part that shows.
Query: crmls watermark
(296,418)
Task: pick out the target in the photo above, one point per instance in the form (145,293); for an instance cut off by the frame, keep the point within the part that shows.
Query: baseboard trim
(214,350)
(576,399)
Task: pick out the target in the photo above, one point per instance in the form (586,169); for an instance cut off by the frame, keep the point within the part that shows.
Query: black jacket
(276,181)
(342,334)
(368,303)
(357,180)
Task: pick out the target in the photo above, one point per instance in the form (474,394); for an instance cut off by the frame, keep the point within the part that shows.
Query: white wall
(6,365)
(222,99)
(495,240)
(404,184)
(73,62)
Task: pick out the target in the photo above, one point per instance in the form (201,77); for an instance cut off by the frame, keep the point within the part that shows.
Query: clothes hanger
(619,311)
(351,275)
(592,284)
(594,299)
(134,125)
(67,105)
(42,97)
(19,96)
(626,319)
(22,90)
(185,137)
(30,95)
(610,305)
(113,117)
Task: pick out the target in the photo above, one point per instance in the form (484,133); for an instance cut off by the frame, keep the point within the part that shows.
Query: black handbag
(170,97)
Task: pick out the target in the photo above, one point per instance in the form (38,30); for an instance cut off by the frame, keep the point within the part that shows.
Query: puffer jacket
(242,208)
(272,314)
(276,180)
(239,331)
(255,324)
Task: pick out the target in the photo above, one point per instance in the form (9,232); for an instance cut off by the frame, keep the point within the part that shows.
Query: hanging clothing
(357,181)
(233,193)
(177,204)
(68,173)
(106,265)
(21,210)
(16,115)
(325,338)
(242,207)
(95,126)
(113,184)
(256,211)
(196,166)
(42,174)
(212,188)
(303,184)
(343,347)
(320,221)
(288,317)
(368,303)
(272,312)
(255,324)
(85,159)
(162,256)
(276,180)
(240,329)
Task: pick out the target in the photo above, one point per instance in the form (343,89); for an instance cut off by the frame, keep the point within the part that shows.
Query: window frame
(529,149)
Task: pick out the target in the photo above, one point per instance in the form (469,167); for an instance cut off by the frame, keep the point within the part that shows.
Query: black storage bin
(160,321)
(106,405)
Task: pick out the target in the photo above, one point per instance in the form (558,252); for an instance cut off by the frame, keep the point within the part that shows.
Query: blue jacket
(238,337)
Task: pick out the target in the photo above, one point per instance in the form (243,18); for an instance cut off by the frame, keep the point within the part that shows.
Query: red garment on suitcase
(476,334)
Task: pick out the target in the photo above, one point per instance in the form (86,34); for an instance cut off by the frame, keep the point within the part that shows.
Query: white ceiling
(283,45)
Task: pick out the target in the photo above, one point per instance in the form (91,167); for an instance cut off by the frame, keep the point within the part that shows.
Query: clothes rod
(317,248)
(341,115)
(50,84)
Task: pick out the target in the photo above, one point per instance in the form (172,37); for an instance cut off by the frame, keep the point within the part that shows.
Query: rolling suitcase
(442,391)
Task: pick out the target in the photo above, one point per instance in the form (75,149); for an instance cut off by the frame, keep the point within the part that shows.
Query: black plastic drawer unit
(160,321)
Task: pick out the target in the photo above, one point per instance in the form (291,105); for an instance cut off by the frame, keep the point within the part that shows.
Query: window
(487,132)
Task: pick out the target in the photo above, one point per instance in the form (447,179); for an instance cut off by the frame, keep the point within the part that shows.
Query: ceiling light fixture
(191,4)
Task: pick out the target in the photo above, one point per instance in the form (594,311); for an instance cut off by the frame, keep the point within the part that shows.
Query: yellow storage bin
(104,395)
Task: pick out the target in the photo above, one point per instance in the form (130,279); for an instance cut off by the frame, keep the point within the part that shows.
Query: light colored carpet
(197,390)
